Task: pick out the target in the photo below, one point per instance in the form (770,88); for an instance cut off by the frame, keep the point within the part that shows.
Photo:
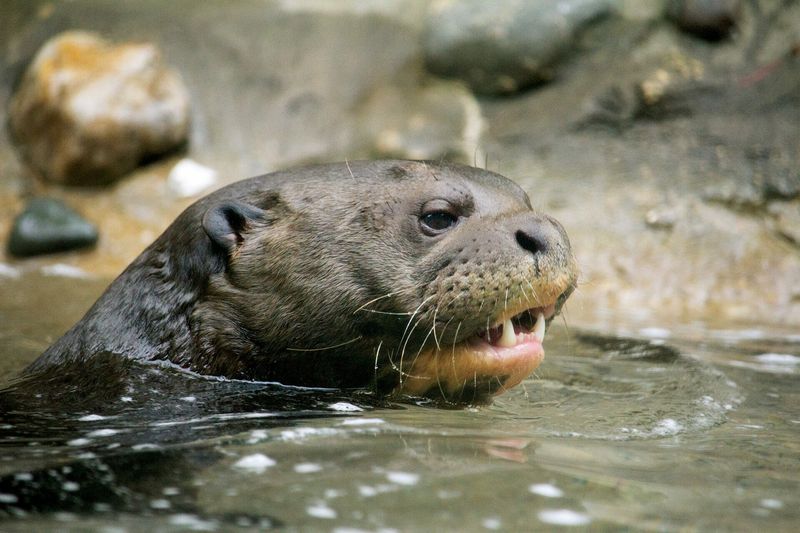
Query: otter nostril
(531,242)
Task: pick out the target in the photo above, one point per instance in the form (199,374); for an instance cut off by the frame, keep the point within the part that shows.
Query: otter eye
(437,222)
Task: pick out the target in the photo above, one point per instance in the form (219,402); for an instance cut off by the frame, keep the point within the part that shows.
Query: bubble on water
(23,476)
(8,498)
(170,491)
(667,426)
(368,491)
(188,399)
(70,486)
(563,517)
(256,463)
(78,442)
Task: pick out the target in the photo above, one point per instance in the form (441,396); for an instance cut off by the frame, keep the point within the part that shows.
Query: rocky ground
(670,151)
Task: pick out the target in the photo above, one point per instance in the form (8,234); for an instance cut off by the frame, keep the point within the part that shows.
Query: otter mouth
(526,327)
(485,364)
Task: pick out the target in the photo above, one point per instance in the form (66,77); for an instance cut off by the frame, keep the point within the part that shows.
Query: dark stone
(502,47)
(712,20)
(47,226)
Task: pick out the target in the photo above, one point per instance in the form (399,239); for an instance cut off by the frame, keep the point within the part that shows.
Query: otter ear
(225,223)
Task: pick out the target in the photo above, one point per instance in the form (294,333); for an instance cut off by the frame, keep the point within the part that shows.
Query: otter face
(421,279)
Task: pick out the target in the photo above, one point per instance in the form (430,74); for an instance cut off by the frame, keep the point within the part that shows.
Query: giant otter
(407,277)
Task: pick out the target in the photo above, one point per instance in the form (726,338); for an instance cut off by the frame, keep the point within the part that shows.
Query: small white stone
(189,178)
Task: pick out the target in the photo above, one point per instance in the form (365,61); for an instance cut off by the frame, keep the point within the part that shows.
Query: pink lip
(528,346)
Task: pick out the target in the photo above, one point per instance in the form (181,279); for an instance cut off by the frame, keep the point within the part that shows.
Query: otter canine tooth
(509,338)
(538,328)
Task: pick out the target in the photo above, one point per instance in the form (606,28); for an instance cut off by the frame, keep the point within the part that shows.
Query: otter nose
(536,236)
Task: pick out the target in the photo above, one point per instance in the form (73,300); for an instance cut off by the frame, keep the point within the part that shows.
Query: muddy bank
(672,160)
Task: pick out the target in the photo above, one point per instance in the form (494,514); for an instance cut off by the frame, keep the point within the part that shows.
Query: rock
(87,112)
(786,220)
(504,46)
(189,178)
(47,226)
(439,121)
(712,20)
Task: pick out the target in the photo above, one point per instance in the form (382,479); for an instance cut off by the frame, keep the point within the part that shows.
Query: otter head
(415,278)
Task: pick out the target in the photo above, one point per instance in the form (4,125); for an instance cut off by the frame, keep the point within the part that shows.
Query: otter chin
(404,277)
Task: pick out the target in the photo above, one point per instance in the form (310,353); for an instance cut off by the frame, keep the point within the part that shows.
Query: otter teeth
(509,338)
(539,327)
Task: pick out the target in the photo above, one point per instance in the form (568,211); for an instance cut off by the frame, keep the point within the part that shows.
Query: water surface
(647,428)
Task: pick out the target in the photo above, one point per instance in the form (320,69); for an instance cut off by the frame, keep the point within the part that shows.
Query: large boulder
(87,111)
(504,46)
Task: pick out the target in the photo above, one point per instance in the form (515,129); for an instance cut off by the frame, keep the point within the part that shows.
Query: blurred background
(663,134)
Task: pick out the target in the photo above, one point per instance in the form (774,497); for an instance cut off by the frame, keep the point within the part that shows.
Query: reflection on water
(670,430)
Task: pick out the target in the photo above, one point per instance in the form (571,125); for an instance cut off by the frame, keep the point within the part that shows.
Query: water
(644,428)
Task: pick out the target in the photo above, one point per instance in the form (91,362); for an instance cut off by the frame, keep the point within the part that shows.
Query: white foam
(8,498)
(78,442)
(547,490)
(563,517)
(667,426)
(256,463)
(70,486)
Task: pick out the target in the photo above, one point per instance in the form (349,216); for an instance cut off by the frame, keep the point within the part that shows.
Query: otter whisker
(388,295)
(345,343)
(435,339)
(453,352)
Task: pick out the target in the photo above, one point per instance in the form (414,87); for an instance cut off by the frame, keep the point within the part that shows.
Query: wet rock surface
(502,47)
(48,226)
(671,160)
(88,111)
